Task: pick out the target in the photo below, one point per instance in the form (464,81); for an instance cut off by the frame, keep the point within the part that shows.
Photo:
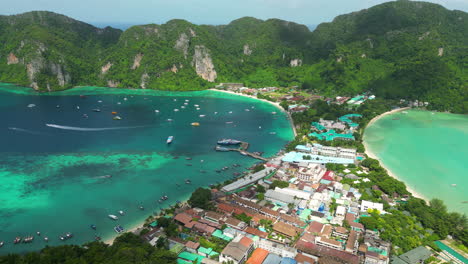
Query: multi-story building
(237,250)
(312,172)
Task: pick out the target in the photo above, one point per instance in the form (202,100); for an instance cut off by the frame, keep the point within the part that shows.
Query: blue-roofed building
(272,259)
(288,261)
(297,157)
(331,135)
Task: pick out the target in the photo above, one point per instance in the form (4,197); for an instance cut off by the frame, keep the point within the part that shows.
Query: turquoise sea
(426,150)
(56,153)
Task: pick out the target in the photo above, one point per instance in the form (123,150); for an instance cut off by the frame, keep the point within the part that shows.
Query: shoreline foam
(371,154)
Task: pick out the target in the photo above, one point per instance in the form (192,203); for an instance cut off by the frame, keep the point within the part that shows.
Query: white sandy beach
(372,155)
(277,105)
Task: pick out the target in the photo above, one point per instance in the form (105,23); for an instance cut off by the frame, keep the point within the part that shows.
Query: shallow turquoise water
(52,175)
(429,152)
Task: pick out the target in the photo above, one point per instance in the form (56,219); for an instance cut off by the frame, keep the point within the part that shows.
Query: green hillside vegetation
(127,249)
(397,50)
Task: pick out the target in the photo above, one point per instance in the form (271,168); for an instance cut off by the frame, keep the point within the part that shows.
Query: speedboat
(176,110)
(273,113)
(119,229)
(170,139)
(46,239)
(93,227)
(230,112)
(96,110)
(121,212)
(38,233)
(195,124)
(117,118)
(31,105)
(2,243)
(169,120)
(247,110)
(156,111)
(113,217)
(202,115)
(198,108)
(17,240)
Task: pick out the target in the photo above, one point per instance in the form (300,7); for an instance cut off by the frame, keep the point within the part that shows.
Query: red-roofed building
(204,228)
(246,242)
(327,255)
(328,176)
(315,227)
(356,226)
(256,232)
(258,256)
(183,218)
(302,259)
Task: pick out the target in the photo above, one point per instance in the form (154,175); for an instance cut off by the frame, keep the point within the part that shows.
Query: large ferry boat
(228,142)
(169,139)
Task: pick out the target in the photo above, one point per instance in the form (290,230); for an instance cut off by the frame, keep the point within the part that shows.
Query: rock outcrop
(441,52)
(182,44)
(12,59)
(113,84)
(136,61)
(106,68)
(34,67)
(63,77)
(174,69)
(203,63)
(144,80)
(295,62)
(247,50)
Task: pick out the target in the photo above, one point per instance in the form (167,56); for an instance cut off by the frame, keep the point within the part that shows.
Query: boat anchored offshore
(170,139)
(113,217)
(118,229)
(121,212)
(195,124)
(225,141)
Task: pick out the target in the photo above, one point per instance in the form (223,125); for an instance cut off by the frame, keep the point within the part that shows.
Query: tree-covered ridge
(401,49)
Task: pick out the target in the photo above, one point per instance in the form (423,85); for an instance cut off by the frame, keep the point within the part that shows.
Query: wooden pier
(243,150)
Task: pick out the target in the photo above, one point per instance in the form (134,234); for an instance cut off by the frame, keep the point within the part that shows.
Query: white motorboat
(113,217)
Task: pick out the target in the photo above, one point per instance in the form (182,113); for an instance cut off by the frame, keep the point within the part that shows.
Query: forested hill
(401,49)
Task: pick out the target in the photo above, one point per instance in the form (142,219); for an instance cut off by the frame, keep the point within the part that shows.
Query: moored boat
(225,141)
(195,124)
(118,229)
(117,118)
(121,212)
(170,139)
(222,149)
(113,217)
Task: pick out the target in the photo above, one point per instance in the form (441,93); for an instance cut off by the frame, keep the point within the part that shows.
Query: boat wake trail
(90,129)
(25,131)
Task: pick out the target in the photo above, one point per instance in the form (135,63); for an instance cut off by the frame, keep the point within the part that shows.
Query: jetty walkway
(242,149)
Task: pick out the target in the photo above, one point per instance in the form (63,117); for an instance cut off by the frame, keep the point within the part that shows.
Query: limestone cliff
(12,59)
(182,44)
(137,61)
(106,68)
(295,62)
(203,63)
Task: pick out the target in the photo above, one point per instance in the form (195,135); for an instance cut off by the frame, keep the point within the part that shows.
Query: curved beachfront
(425,150)
(47,167)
